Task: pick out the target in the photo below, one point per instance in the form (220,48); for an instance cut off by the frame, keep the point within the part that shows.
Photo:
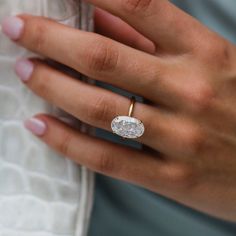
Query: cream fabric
(41,192)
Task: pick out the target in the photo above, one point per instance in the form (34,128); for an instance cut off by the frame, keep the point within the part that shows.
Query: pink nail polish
(12,27)
(24,69)
(36,126)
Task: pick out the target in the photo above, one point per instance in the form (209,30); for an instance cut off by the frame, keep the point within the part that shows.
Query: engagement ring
(128,126)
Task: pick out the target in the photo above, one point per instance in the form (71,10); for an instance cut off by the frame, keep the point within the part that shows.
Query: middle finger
(99,57)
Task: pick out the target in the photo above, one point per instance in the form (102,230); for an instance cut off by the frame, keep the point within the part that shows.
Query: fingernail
(12,27)
(36,126)
(24,69)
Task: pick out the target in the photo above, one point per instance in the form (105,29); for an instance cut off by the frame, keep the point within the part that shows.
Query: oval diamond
(127,127)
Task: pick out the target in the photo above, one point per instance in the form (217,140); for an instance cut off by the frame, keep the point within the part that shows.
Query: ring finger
(97,107)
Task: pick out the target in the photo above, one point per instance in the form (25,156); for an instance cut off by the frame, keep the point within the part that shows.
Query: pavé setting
(128,126)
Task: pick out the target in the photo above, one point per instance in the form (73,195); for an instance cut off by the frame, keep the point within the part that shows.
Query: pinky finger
(98,155)
(115,28)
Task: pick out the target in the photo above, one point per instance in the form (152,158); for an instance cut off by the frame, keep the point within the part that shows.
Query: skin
(186,71)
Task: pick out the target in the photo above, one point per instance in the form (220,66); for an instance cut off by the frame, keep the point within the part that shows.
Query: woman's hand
(187,72)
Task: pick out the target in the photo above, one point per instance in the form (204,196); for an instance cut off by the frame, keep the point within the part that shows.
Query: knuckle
(194,142)
(200,98)
(219,54)
(102,57)
(137,6)
(104,162)
(101,110)
(38,35)
(181,176)
(65,144)
(38,84)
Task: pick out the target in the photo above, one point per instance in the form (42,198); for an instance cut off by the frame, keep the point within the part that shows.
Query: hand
(187,72)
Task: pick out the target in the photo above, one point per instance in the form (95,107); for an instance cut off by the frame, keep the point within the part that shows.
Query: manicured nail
(12,27)
(24,69)
(36,126)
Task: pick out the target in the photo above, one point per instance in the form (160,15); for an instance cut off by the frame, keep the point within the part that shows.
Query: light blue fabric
(122,209)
